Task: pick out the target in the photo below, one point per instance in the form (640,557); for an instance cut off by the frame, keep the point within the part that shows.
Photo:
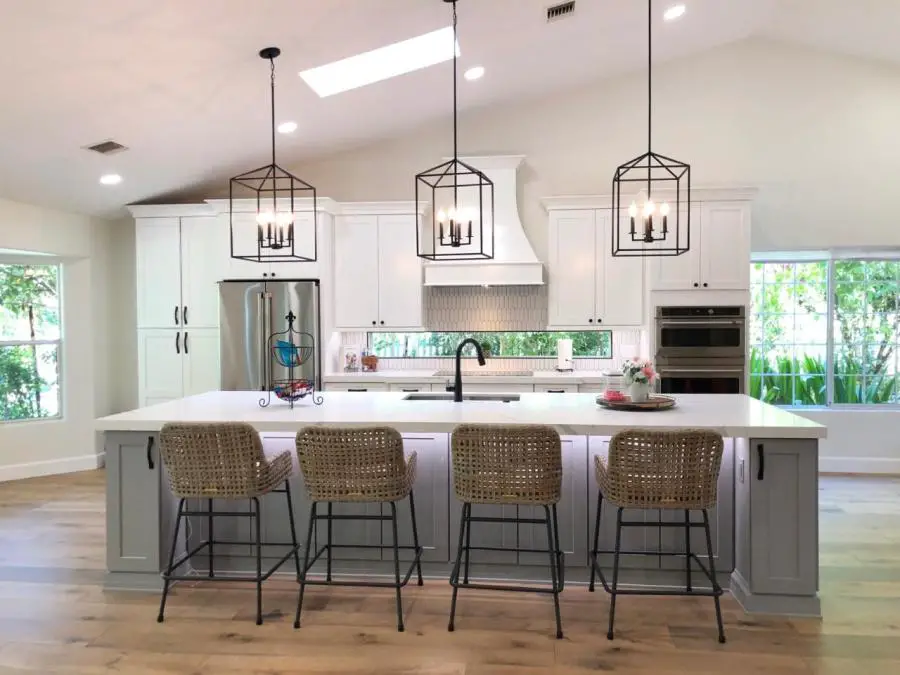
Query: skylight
(382,63)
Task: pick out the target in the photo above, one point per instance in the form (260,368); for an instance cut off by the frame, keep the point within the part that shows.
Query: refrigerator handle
(261,340)
(267,357)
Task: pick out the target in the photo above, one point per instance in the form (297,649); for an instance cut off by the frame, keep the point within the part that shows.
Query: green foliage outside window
(791,353)
(29,341)
(591,344)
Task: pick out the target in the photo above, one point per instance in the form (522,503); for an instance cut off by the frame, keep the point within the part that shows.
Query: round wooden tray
(655,402)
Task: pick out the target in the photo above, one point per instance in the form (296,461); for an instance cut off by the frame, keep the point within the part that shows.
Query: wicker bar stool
(361,465)
(223,461)
(674,470)
(507,464)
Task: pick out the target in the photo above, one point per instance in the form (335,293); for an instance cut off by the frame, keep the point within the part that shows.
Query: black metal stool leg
(552,548)
(397,565)
(560,563)
(309,541)
(596,545)
(328,552)
(209,527)
(166,582)
(454,573)
(615,578)
(415,532)
(687,548)
(257,523)
(290,505)
(468,542)
(717,590)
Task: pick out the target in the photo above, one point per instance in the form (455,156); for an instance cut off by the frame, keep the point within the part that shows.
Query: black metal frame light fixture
(670,233)
(465,231)
(277,193)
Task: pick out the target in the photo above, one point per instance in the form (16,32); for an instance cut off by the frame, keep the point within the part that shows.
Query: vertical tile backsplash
(499,308)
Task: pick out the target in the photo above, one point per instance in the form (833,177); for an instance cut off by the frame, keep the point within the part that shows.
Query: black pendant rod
(272,93)
(455,129)
(649,93)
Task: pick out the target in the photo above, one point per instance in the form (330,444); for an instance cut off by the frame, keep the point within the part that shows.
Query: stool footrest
(244,577)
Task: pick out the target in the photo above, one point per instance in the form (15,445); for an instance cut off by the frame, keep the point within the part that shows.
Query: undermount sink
(500,398)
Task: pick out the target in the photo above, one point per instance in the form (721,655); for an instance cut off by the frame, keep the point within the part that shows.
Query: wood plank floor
(56,618)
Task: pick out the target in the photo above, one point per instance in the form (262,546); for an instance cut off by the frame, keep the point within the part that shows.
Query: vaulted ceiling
(180,84)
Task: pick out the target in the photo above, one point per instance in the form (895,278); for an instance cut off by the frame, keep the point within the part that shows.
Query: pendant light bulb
(442,216)
(452,214)
(284,218)
(264,218)
(664,209)
(649,208)
(633,210)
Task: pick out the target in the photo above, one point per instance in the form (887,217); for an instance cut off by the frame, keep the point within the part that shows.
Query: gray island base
(764,528)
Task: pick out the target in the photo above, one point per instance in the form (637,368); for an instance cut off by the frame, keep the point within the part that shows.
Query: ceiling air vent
(107,147)
(560,11)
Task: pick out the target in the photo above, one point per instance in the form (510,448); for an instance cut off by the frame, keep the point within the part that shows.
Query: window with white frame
(30,342)
(825,332)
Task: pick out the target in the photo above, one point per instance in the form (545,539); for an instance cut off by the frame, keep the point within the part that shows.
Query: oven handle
(700,371)
(702,322)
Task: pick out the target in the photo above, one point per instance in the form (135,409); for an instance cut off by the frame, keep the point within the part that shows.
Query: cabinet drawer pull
(176,315)
(761,470)
(184,315)
(177,343)
(409,390)
(556,391)
(357,390)
(185,343)
(150,464)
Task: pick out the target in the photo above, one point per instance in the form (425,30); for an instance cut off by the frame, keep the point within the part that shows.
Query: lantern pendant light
(647,229)
(280,225)
(461,223)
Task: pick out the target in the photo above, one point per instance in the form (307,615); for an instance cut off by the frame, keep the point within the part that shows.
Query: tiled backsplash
(475,308)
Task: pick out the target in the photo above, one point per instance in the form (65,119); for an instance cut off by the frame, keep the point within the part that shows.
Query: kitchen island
(765,525)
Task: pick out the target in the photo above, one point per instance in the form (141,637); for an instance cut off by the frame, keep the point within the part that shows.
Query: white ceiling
(179,81)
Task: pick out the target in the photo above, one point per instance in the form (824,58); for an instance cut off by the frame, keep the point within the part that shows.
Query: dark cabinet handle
(265,274)
(556,391)
(590,321)
(357,390)
(150,464)
(696,285)
(761,470)
(409,390)
(176,315)
(184,315)
(599,320)
(271,274)
(177,343)
(705,284)
(185,343)
(382,323)
(374,322)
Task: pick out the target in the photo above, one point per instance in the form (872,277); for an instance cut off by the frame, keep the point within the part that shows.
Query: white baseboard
(887,465)
(50,467)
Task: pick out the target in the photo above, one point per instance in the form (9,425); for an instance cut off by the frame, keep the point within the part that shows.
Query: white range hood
(514,262)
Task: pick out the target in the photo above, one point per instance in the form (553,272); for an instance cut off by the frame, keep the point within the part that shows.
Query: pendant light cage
(660,225)
(272,212)
(461,200)
(663,182)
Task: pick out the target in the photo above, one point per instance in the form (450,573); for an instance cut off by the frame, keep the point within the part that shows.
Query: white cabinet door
(159,365)
(356,272)
(725,250)
(157,257)
(620,281)
(204,262)
(470,387)
(681,272)
(200,349)
(572,262)
(399,274)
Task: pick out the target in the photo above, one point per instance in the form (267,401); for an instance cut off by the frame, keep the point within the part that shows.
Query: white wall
(82,245)
(817,133)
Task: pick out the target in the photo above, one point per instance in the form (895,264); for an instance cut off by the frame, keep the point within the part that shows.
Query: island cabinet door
(634,539)
(571,511)
(777,523)
(431,492)
(134,542)
(721,524)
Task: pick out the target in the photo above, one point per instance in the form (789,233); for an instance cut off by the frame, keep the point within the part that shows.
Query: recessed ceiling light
(382,63)
(474,73)
(287,127)
(674,12)
(110,179)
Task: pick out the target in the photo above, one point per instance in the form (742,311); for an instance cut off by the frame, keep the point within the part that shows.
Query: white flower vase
(639,391)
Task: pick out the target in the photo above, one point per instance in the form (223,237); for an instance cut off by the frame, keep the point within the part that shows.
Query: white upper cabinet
(719,256)
(157,256)
(204,263)
(377,275)
(588,288)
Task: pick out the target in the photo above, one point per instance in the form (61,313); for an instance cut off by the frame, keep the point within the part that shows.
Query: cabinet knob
(265,274)
(696,285)
(590,321)
(382,323)
(705,284)
(374,322)
(599,320)
(271,274)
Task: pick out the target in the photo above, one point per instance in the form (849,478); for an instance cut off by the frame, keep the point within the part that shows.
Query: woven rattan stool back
(507,464)
(223,460)
(662,469)
(360,464)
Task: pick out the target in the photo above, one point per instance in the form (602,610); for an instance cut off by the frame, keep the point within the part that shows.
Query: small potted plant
(638,375)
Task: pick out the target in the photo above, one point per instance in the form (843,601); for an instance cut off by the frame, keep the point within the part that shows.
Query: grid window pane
(585,344)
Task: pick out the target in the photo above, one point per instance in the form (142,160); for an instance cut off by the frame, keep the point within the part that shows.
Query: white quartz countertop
(735,415)
(473,376)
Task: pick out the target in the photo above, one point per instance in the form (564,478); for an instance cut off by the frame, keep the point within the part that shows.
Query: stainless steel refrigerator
(250,312)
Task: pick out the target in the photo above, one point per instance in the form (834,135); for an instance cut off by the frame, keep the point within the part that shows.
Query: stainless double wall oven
(701,350)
